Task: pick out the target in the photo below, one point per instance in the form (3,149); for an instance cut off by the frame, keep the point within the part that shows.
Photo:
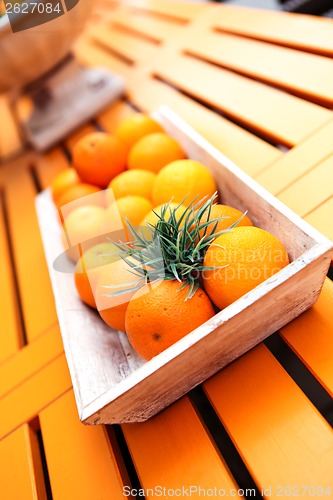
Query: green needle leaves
(174,248)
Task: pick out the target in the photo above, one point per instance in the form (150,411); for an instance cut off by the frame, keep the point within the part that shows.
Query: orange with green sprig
(168,258)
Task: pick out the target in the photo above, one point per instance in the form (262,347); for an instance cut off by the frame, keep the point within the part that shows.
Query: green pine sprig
(172,249)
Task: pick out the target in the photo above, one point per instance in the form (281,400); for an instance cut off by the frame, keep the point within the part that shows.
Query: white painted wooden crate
(112,384)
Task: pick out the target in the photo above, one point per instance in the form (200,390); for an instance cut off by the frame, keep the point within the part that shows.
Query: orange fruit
(251,255)
(72,252)
(82,284)
(112,309)
(182,181)
(64,180)
(133,208)
(99,157)
(133,128)
(153,152)
(152,217)
(231,215)
(92,262)
(157,317)
(75,192)
(83,226)
(133,182)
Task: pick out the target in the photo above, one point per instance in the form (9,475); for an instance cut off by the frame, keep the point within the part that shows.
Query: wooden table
(258,85)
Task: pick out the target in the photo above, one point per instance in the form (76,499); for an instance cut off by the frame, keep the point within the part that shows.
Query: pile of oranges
(130,179)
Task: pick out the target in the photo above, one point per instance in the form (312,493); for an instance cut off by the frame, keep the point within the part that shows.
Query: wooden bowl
(27,55)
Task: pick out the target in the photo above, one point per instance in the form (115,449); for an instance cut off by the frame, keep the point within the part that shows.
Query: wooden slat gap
(280,43)
(118,443)
(39,460)
(22,467)
(118,26)
(97,125)
(222,442)
(35,178)
(21,327)
(33,374)
(42,457)
(10,358)
(304,174)
(325,103)
(105,48)
(302,376)
(65,149)
(316,207)
(130,103)
(268,136)
(252,129)
(330,272)
(306,138)
(116,451)
(15,427)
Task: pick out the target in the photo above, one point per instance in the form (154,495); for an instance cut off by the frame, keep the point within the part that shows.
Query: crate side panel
(242,328)
(98,357)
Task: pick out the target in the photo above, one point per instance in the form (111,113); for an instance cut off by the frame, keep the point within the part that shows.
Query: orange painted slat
(29,360)
(80,459)
(91,53)
(311,337)
(174,451)
(49,165)
(321,218)
(311,190)
(310,33)
(279,116)
(21,474)
(131,47)
(34,394)
(34,283)
(10,332)
(157,28)
(298,161)
(101,9)
(280,66)
(181,10)
(10,141)
(280,435)
(253,154)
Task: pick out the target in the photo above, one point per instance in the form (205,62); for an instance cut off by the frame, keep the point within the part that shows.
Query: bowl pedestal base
(55,105)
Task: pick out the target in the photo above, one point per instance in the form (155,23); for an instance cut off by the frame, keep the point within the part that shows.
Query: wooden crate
(112,384)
